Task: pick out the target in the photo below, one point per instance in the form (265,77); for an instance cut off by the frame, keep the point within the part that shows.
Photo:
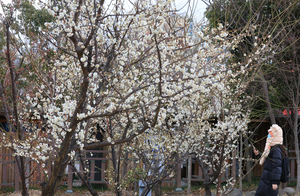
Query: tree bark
(248,163)
(296,142)
(145,191)
(85,181)
(207,190)
(21,164)
(116,165)
(240,163)
(157,189)
(206,183)
(267,98)
(60,164)
(189,174)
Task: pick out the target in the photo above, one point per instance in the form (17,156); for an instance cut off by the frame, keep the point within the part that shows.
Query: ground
(196,191)
(106,193)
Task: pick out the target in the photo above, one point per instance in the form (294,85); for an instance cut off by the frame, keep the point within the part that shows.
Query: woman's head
(275,135)
(274,138)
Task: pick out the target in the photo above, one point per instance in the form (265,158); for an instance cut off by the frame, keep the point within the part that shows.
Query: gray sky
(199,7)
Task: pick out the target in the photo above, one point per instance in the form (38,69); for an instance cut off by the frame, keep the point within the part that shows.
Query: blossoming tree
(206,121)
(117,66)
(14,48)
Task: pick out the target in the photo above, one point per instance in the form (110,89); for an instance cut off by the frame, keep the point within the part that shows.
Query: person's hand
(255,151)
(274,186)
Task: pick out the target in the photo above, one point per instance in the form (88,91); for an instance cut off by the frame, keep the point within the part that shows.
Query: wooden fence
(233,170)
(293,165)
(9,171)
(9,176)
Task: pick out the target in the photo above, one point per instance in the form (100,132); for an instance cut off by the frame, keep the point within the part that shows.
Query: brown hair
(284,151)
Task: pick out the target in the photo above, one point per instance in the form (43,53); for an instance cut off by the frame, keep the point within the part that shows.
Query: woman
(271,160)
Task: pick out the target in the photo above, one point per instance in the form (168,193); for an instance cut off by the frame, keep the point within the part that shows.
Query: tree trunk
(27,170)
(267,98)
(206,182)
(49,188)
(207,190)
(234,168)
(145,191)
(189,174)
(157,189)
(240,163)
(135,180)
(21,164)
(296,142)
(116,166)
(84,178)
(249,163)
